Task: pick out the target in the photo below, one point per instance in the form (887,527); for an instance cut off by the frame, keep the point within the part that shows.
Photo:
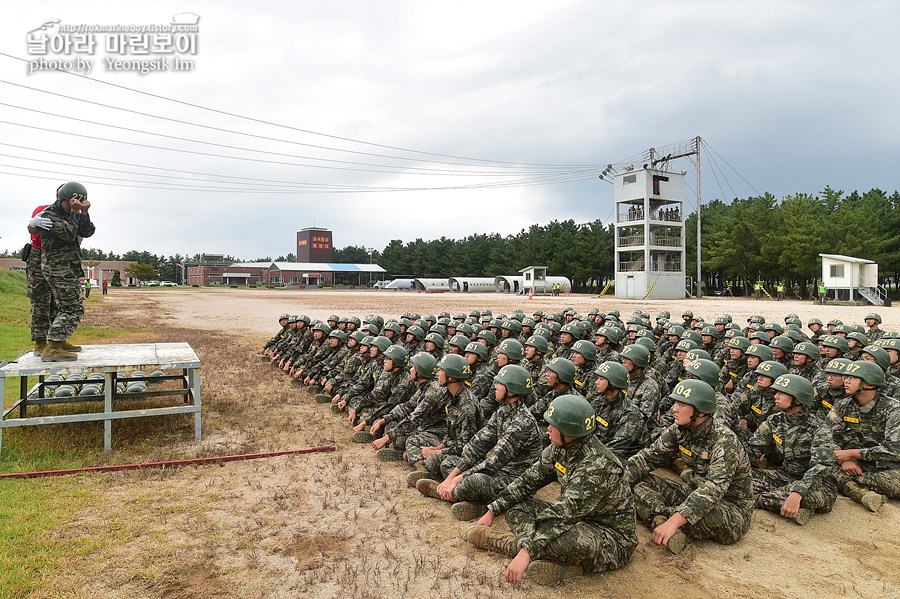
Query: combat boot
(362,437)
(678,541)
(867,497)
(323,398)
(336,408)
(69,347)
(39,346)
(314,388)
(418,474)
(55,353)
(804,515)
(467,510)
(428,487)
(545,572)
(389,454)
(485,537)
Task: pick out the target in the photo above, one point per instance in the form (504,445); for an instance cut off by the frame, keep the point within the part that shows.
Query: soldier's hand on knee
(851,468)
(791,505)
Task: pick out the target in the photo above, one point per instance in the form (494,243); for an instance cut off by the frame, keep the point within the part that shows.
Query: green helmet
(367,341)
(393,326)
(646,342)
(696,393)
(293,318)
(513,349)
(685,345)
(443,314)
(793,320)
(664,314)
(430,317)
(773,326)
(355,320)
(697,354)
(763,352)
(338,334)
(461,341)
(564,369)
(763,338)
(638,354)
(586,349)
(322,327)
(479,349)
(837,366)
(304,318)
(71,191)
(439,329)
(710,331)
(370,328)
(796,386)
(397,354)
(613,372)
(358,335)
(426,365)
(516,379)
(741,343)
(807,349)
(456,367)
(571,329)
(874,316)
(861,339)
(693,336)
(610,333)
(284,317)
(539,342)
(382,343)
(794,335)
(573,415)
(512,325)
(867,371)
(836,342)
(417,332)
(813,321)
(555,326)
(422,324)
(488,336)
(783,343)
(435,338)
(771,368)
(333,318)
(705,370)
(676,330)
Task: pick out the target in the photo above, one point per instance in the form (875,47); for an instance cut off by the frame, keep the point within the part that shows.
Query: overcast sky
(793,95)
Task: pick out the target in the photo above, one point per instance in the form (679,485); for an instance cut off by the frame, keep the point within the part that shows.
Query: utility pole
(697,149)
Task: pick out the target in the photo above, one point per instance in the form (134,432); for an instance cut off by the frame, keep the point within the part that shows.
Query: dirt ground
(341,524)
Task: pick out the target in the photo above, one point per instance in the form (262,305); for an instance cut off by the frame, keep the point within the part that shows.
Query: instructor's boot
(485,537)
(428,487)
(678,541)
(547,573)
(389,454)
(867,497)
(467,510)
(39,346)
(55,353)
(69,347)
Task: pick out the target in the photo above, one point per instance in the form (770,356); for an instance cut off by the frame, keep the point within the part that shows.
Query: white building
(649,244)
(847,279)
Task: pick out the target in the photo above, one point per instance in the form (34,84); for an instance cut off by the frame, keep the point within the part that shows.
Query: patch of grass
(30,510)
(14,304)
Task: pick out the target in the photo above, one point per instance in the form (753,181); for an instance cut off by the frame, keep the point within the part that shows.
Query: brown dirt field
(342,524)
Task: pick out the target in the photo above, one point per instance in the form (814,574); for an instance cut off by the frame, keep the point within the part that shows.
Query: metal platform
(115,362)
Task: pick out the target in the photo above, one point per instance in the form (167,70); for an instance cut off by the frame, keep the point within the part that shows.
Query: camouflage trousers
(593,547)
(886,482)
(43,307)
(70,307)
(478,487)
(774,486)
(414,444)
(403,436)
(439,465)
(725,523)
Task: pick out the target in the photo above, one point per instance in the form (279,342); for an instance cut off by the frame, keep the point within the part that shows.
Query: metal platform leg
(195,384)
(108,390)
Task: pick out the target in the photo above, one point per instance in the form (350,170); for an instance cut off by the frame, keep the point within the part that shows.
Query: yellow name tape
(560,467)
(826,404)
(849,419)
(602,421)
(755,409)
(684,450)
(777,440)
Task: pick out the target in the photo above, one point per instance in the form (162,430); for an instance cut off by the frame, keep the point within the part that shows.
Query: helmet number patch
(683,391)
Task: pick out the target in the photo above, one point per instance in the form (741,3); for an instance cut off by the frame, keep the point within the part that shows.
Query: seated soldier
(758,404)
(536,348)
(393,387)
(832,389)
(735,367)
(285,327)
(644,391)
(510,351)
(560,375)
(620,424)
(590,527)
(805,358)
(416,422)
(803,484)
(715,501)
(462,413)
(866,429)
(344,371)
(504,448)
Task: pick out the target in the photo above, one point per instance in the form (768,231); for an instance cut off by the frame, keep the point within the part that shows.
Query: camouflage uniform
(504,448)
(607,354)
(418,422)
(482,387)
(805,447)
(810,371)
(280,335)
(873,429)
(734,371)
(536,369)
(755,405)
(591,523)
(716,497)
(543,402)
(464,418)
(43,307)
(586,380)
(331,363)
(620,425)
(874,335)
(825,398)
(347,369)
(61,267)
(390,389)
(645,393)
(363,382)
(563,351)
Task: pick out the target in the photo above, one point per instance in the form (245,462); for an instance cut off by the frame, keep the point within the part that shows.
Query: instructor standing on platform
(61,266)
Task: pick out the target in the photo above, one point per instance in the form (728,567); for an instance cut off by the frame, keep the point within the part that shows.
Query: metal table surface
(112,361)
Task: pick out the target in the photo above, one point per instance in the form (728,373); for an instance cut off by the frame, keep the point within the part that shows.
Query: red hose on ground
(198,461)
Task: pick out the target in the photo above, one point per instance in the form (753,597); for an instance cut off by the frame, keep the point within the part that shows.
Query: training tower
(649,234)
